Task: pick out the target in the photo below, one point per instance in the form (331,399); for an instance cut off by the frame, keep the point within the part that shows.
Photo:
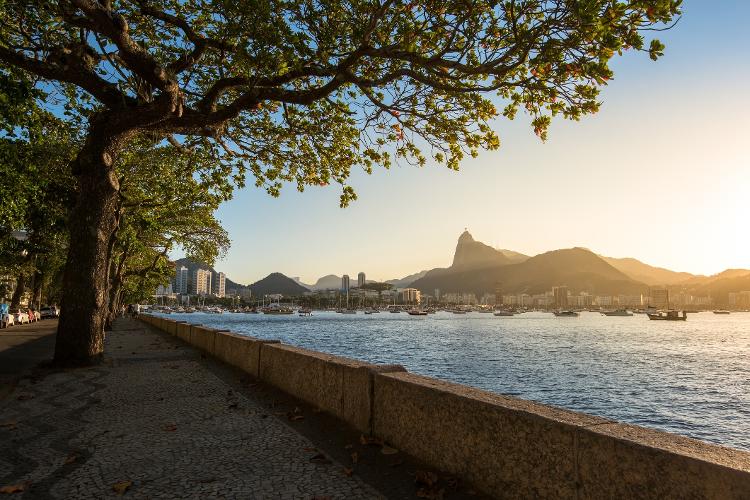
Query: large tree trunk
(36,295)
(114,300)
(80,334)
(15,301)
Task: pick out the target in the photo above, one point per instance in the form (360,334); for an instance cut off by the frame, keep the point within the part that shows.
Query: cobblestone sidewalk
(154,422)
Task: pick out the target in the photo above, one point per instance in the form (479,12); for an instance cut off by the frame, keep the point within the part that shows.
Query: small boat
(566,314)
(503,313)
(721,311)
(668,316)
(348,311)
(395,311)
(458,311)
(277,310)
(417,312)
(305,312)
(617,312)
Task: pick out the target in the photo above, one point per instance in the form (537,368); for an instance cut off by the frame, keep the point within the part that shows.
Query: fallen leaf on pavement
(170,427)
(396,463)
(369,440)
(294,418)
(348,472)
(71,458)
(10,425)
(387,450)
(348,446)
(355,457)
(320,459)
(15,488)
(426,477)
(24,397)
(120,487)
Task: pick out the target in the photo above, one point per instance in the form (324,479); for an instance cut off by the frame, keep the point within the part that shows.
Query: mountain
(277,283)
(652,276)
(473,254)
(515,257)
(470,254)
(720,285)
(479,268)
(300,283)
(406,281)
(328,282)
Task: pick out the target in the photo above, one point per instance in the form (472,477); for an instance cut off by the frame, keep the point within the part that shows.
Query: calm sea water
(690,378)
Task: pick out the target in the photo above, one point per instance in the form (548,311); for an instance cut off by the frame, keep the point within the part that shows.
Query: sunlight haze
(659,174)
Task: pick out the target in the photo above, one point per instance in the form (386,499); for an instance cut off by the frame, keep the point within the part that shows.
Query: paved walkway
(154,421)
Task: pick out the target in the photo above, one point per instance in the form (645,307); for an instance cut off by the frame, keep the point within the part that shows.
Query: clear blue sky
(661,174)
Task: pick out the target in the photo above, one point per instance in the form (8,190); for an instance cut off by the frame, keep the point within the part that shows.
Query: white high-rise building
(345,283)
(411,296)
(201,282)
(181,281)
(361,280)
(219,284)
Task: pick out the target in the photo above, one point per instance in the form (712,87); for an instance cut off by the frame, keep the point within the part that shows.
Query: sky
(661,173)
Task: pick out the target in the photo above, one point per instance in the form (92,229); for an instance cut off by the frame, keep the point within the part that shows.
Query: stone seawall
(506,447)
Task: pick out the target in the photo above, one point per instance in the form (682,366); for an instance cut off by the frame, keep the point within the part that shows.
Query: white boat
(503,313)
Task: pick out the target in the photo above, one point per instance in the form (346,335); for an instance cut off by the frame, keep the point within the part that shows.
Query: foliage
(168,200)
(304,91)
(35,183)
(377,286)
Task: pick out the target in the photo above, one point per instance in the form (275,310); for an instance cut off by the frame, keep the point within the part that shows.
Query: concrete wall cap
(388,369)
(330,358)
(674,443)
(508,403)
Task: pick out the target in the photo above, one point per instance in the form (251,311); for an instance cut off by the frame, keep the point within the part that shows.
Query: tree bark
(36,295)
(15,301)
(83,312)
(114,300)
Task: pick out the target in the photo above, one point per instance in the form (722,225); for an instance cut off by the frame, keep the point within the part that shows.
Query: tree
(168,198)
(299,90)
(36,188)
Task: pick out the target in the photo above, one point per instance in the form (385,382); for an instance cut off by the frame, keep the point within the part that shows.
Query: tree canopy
(305,90)
(289,91)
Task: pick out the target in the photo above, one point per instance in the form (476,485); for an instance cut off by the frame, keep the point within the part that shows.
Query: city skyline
(659,174)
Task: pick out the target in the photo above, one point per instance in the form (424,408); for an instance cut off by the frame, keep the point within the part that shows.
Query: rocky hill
(653,276)
(479,268)
(277,283)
